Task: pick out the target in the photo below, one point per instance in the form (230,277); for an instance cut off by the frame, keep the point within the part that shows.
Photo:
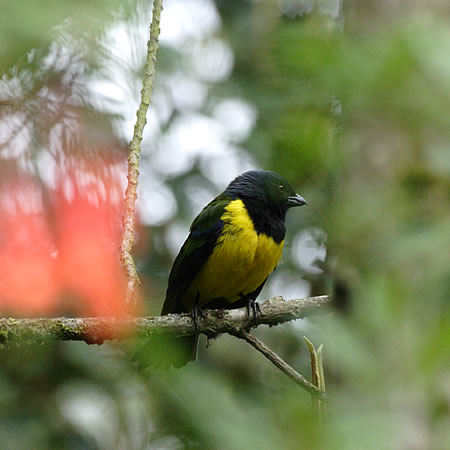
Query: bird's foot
(254,306)
(196,312)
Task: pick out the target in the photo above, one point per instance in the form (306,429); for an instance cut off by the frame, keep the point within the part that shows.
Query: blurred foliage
(352,107)
(26,25)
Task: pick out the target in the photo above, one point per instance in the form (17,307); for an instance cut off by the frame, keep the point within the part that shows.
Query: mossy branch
(127,241)
(237,322)
(95,330)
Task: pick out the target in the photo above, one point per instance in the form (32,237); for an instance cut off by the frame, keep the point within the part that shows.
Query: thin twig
(134,156)
(98,329)
(282,365)
(318,378)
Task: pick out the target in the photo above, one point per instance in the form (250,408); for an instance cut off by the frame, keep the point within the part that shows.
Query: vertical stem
(127,241)
(318,378)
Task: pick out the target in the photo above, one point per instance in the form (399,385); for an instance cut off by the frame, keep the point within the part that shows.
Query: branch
(95,330)
(134,155)
(282,365)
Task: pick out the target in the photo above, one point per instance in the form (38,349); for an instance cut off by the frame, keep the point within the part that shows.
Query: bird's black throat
(270,222)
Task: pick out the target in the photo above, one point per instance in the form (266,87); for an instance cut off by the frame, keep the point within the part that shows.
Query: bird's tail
(164,352)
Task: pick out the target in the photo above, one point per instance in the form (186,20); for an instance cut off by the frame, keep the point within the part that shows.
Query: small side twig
(317,376)
(133,158)
(282,365)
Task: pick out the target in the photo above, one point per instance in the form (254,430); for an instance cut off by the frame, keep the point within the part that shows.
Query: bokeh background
(348,100)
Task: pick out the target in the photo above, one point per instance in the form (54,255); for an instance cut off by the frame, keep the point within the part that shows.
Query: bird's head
(267,187)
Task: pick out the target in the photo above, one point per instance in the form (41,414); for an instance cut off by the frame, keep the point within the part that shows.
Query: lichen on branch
(98,329)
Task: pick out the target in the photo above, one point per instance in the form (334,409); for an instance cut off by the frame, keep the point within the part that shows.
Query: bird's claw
(197,311)
(254,306)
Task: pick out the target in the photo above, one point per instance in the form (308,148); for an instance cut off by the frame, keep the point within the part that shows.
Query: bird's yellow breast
(241,260)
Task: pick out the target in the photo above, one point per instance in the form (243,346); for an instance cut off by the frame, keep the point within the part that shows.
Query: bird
(233,246)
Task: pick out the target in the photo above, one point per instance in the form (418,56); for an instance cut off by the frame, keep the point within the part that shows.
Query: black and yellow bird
(233,245)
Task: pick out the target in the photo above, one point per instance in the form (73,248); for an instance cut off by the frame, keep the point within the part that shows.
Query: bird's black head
(266,188)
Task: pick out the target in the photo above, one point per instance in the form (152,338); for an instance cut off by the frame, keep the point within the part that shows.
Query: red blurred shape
(28,281)
(67,248)
(88,244)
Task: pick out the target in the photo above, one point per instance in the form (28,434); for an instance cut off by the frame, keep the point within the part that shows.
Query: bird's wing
(197,248)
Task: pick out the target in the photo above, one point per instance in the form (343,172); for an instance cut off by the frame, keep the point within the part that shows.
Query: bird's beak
(296,200)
